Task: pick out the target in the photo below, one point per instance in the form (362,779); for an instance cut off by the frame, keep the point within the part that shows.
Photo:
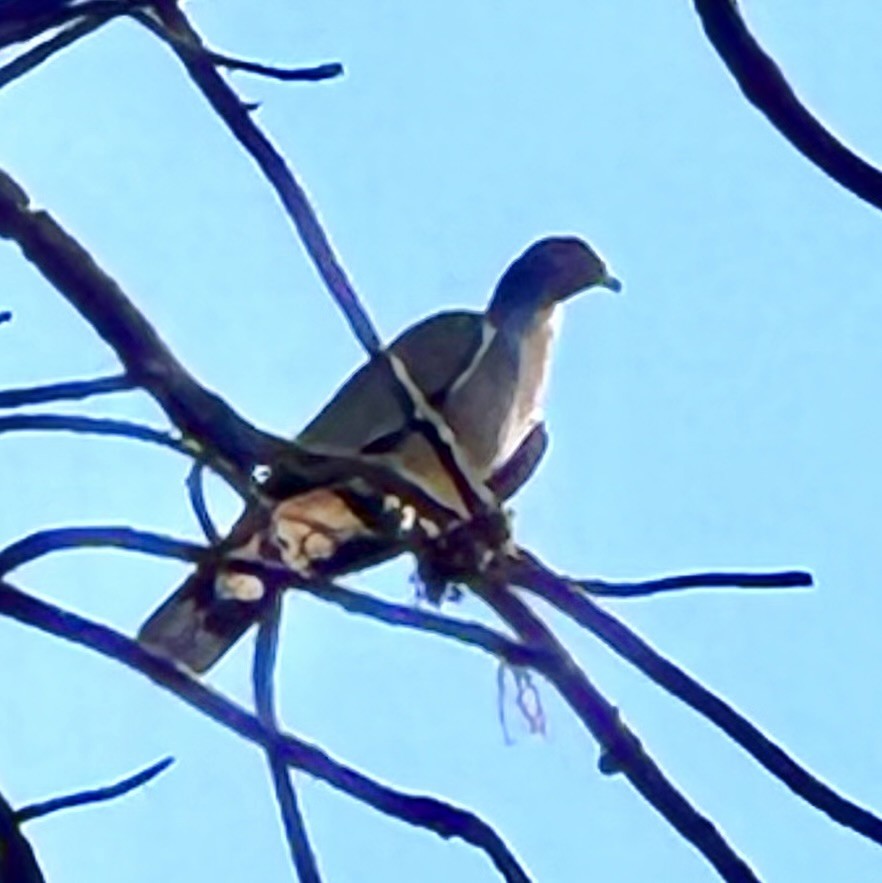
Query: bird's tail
(196,627)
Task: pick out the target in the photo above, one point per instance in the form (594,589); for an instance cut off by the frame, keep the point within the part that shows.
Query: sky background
(722,413)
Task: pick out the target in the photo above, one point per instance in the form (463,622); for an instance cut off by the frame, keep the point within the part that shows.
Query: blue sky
(722,413)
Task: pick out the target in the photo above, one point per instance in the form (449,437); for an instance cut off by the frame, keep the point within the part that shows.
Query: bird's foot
(462,553)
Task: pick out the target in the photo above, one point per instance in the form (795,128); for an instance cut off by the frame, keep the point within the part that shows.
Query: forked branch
(624,642)
(425,812)
(622,751)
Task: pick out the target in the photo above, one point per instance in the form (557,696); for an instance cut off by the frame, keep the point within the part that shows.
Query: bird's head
(548,272)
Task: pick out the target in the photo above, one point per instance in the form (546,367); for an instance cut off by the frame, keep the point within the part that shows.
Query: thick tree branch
(147,360)
(18,864)
(765,87)
(95,795)
(263,674)
(32,58)
(26,25)
(426,812)
(531,575)
(622,751)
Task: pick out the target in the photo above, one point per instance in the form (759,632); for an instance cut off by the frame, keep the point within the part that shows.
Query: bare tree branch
(177,31)
(430,813)
(313,74)
(782,579)
(263,673)
(96,795)
(599,716)
(469,633)
(18,864)
(84,18)
(147,360)
(69,390)
(27,25)
(93,426)
(46,542)
(628,645)
(196,492)
(622,751)
(766,88)
(27,61)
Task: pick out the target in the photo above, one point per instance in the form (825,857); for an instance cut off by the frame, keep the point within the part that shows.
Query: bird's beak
(610,283)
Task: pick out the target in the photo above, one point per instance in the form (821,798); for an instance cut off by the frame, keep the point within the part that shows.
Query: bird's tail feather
(195,627)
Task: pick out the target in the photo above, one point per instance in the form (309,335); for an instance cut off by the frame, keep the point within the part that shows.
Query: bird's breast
(534,369)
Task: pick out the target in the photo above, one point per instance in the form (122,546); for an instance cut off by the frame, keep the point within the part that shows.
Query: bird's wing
(368,408)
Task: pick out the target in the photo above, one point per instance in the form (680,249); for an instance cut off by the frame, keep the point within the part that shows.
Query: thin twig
(766,88)
(45,542)
(263,674)
(93,426)
(69,390)
(196,491)
(622,750)
(27,61)
(313,74)
(87,17)
(96,795)
(426,812)
(783,579)
(675,681)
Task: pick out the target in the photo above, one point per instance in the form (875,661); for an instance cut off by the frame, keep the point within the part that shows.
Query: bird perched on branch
(482,374)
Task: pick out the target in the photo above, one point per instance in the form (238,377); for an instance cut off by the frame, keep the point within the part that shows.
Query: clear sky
(723,412)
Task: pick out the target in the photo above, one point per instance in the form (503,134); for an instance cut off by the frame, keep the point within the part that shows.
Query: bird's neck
(518,299)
